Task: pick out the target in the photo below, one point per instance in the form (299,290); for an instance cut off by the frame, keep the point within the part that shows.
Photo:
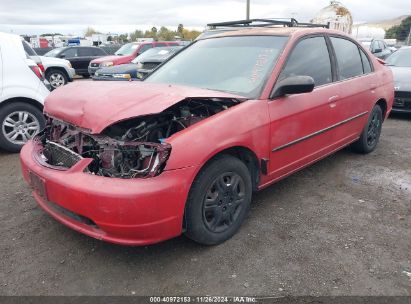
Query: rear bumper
(127,212)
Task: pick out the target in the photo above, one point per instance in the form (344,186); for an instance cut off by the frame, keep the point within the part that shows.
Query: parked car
(140,162)
(22,93)
(79,57)
(126,54)
(57,71)
(400,64)
(378,48)
(140,67)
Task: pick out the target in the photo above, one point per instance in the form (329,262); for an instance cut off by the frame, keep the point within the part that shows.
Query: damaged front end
(134,148)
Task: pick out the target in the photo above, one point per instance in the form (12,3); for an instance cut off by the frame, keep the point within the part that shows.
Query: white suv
(22,93)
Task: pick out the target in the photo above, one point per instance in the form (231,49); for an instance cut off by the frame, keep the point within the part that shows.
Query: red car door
(355,90)
(300,123)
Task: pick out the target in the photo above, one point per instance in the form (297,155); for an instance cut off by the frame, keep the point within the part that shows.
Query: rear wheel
(218,201)
(86,76)
(371,133)
(19,122)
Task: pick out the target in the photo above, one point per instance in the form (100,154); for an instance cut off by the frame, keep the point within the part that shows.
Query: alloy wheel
(20,126)
(56,80)
(223,202)
(373,130)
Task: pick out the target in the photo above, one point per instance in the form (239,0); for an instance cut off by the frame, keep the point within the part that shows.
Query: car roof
(276,31)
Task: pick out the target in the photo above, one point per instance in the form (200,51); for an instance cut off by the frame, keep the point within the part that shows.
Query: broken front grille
(59,156)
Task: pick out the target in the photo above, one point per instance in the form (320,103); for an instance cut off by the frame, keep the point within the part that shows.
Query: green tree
(122,38)
(400,32)
(136,34)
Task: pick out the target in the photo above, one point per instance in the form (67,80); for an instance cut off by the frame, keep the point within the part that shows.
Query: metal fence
(109,49)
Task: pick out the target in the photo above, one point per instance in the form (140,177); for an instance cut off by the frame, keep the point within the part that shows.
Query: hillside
(386,24)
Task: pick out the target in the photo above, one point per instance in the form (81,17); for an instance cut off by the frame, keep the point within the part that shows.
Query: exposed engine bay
(128,149)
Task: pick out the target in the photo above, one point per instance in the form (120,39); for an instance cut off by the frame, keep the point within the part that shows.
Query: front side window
(239,65)
(85,52)
(53,53)
(348,58)
(309,58)
(70,53)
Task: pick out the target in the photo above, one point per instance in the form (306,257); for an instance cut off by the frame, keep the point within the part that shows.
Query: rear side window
(161,44)
(348,58)
(366,64)
(309,58)
(28,49)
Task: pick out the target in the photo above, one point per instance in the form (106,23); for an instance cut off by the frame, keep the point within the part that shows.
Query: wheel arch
(27,100)
(246,155)
(61,69)
(383,105)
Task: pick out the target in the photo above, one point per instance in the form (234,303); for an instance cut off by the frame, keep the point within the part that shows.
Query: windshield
(238,65)
(53,53)
(159,52)
(127,49)
(401,58)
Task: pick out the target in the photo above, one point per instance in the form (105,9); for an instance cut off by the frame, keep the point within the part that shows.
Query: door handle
(332,101)
(333,98)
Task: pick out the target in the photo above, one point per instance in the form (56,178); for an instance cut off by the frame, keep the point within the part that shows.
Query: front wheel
(371,134)
(56,78)
(218,201)
(19,122)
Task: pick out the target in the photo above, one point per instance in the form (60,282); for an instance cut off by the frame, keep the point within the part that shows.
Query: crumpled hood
(97,105)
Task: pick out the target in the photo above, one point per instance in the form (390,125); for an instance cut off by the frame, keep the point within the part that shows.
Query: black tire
(56,78)
(86,76)
(218,219)
(371,133)
(13,109)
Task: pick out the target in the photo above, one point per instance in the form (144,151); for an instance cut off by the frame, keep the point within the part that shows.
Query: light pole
(248,10)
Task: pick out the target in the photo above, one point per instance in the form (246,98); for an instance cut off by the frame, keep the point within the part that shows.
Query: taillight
(41,67)
(36,70)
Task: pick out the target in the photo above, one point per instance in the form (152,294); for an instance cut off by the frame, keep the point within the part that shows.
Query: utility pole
(248,10)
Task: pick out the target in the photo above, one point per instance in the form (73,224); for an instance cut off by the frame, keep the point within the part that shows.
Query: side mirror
(377,51)
(62,56)
(293,85)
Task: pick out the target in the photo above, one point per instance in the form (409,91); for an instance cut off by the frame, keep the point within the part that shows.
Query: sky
(123,16)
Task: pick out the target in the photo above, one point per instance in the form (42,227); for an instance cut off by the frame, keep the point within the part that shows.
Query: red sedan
(137,163)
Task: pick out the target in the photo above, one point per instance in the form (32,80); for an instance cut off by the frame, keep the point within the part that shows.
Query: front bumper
(93,70)
(122,211)
(71,73)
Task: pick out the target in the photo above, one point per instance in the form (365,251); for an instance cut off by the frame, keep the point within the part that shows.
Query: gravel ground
(340,227)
